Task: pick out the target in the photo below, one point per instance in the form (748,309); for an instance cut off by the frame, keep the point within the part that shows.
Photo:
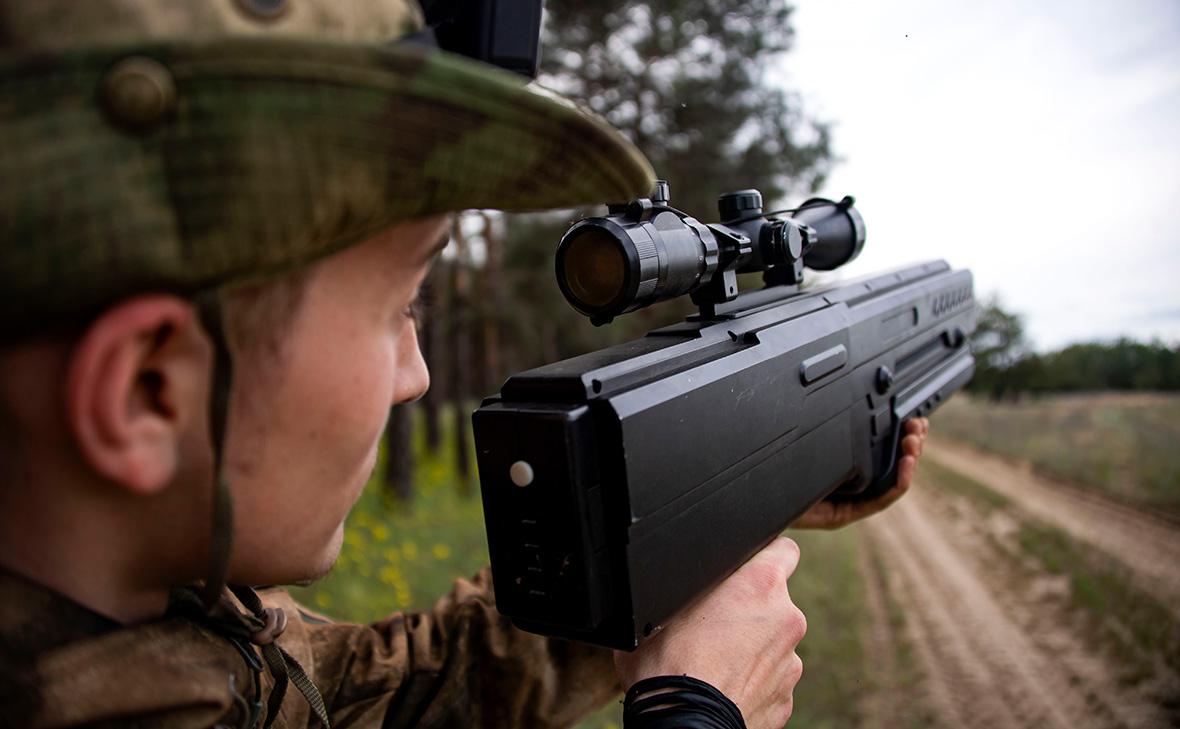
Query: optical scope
(646,251)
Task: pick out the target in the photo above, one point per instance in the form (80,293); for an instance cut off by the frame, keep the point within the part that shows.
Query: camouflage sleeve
(461,664)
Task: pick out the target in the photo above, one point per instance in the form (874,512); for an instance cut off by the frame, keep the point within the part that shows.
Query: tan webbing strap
(282,664)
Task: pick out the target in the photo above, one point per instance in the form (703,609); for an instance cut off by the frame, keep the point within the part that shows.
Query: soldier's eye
(413,311)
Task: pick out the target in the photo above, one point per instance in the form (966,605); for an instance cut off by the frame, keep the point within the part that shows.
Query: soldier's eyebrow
(442,241)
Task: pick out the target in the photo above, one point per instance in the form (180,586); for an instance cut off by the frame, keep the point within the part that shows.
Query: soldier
(214,219)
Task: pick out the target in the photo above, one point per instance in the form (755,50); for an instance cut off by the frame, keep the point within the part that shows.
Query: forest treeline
(1006,367)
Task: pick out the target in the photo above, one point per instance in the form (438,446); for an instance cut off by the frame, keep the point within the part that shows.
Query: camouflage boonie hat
(153,145)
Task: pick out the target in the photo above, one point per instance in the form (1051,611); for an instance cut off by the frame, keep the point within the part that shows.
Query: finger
(913,426)
(925,427)
(786,712)
(911,445)
(782,551)
(905,475)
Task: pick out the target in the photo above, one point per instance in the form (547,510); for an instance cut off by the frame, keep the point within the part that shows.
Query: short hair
(258,313)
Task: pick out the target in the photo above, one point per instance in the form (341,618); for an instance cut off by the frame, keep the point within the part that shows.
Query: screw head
(884,380)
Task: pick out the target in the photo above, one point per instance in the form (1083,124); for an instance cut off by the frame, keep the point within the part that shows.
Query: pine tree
(687,81)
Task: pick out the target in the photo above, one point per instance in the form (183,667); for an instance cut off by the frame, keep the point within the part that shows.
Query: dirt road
(993,642)
(1147,544)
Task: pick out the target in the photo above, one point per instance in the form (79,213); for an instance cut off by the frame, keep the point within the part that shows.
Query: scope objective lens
(609,266)
(595,267)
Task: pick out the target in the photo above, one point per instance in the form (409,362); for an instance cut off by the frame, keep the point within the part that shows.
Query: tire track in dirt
(1148,545)
(982,666)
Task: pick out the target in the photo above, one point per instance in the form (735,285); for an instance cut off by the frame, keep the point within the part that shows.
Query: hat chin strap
(209,309)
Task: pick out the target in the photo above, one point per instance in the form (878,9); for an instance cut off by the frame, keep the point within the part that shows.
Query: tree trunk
(399,452)
(433,325)
(493,306)
(460,358)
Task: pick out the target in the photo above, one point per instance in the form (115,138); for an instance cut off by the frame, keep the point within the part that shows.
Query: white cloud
(1032,142)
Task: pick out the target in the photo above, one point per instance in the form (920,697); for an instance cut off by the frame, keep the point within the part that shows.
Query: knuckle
(796,669)
(764,576)
(796,625)
(789,709)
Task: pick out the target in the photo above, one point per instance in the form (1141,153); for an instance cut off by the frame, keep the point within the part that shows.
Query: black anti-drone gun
(620,485)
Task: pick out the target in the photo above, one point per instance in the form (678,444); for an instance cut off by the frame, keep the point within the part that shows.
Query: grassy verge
(829,588)
(1121,445)
(900,687)
(403,556)
(1132,624)
(950,481)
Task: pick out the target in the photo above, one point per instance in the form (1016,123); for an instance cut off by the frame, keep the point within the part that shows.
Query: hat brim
(270,154)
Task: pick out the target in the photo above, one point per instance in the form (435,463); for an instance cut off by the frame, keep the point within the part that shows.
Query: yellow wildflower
(389,574)
(403,597)
(410,550)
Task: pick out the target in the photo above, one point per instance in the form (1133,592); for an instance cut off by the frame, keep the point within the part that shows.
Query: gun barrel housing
(620,485)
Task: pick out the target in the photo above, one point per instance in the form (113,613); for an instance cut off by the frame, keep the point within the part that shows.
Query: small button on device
(521,473)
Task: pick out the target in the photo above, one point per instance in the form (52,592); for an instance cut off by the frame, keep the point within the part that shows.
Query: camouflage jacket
(459,665)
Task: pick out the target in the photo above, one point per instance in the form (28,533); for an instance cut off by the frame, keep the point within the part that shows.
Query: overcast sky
(1035,142)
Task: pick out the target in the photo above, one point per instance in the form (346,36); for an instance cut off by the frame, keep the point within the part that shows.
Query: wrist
(679,702)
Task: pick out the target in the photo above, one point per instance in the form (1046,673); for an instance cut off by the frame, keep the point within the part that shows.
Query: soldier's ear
(136,386)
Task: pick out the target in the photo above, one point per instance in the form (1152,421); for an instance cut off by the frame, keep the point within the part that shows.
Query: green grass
(403,557)
(1132,624)
(1122,445)
(906,678)
(947,480)
(829,587)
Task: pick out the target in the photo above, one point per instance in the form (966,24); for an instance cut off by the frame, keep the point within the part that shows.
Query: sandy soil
(990,647)
(1148,544)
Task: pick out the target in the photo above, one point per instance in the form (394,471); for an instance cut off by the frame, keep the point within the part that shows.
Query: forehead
(402,250)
